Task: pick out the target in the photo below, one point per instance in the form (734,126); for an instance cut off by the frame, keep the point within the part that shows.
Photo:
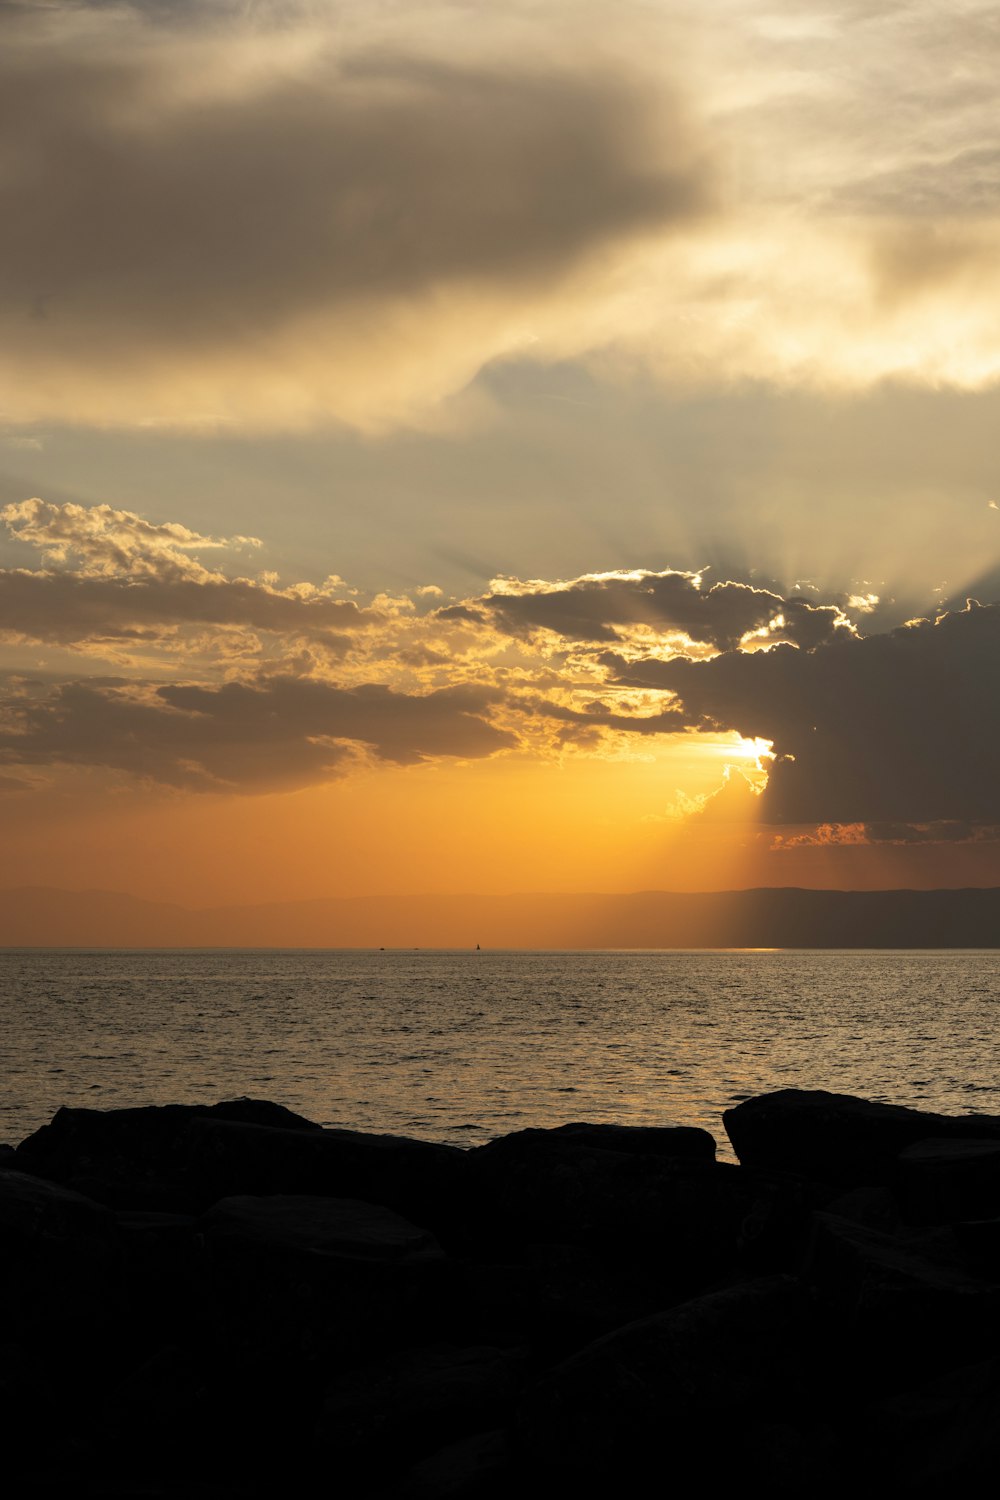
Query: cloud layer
(103,542)
(287,214)
(276,735)
(236,683)
(606,607)
(133,582)
(896,728)
(270,216)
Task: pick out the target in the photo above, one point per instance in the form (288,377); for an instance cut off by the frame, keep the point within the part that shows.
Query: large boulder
(940,1181)
(163,1274)
(837,1138)
(475,1468)
(246,1111)
(66,1326)
(181,1158)
(662,1391)
(673,1217)
(36,1215)
(59,1253)
(380,1418)
(201,1419)
(555,1297)
(942,1436)
(676,1142)
(980,1242)
(330,1229)
(298,1276)
(902,1306)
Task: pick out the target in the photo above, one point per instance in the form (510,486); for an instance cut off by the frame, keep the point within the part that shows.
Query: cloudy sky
(465,446)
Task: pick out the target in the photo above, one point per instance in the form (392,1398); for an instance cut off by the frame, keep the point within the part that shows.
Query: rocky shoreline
(229,1302)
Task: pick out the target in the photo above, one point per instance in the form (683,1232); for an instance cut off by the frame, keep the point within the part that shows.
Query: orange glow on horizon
(675,819)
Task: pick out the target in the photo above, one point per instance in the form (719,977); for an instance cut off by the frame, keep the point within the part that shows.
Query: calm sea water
(464,1046)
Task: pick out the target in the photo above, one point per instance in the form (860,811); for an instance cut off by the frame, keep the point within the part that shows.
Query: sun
(747,755)
(759,752)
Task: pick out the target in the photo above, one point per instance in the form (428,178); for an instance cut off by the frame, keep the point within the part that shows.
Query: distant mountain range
(38,916)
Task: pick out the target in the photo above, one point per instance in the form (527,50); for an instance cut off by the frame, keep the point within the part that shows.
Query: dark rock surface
(836,1137)
(187,1157)
(944,1434)
(382,1417)
(343,1230)
(940,1181)
(678,1142)
(233,1303)
(669,1381)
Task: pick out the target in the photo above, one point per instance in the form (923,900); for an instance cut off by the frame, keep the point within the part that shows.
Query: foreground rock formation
(230,1302)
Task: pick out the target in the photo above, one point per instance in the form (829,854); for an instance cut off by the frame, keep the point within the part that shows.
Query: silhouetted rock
(36,1215)
(157,1238)
(202,1417)
(57,1250)
(676,1218)
(901,1304)
(185,1158)
(163,1278)
(378,1418)
(304,1273)
(980,1242)
(838,1138)
(941,1437)
(662,1390)
(939,1181)
(871,1204)
(477,1468)
(678,1142)
(243,1304)
(257,1112)
(555,1297)
(160,1415)
(338,1229)
(775,1231)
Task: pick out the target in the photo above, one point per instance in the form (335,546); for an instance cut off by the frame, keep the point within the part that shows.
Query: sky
(465,447)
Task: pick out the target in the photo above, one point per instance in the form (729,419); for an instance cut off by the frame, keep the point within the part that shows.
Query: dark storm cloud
(145,202)
(953,831)
(67,608)
(599,608)
(277,734)
(899,728)
(461,614)
(597,715)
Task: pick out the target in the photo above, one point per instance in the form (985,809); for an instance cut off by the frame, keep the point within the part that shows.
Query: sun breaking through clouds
(274,688)
(517,443)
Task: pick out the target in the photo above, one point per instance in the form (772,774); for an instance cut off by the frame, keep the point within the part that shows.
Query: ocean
(461,1047)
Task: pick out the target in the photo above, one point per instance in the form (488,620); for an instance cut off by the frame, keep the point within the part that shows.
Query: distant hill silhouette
(787,917)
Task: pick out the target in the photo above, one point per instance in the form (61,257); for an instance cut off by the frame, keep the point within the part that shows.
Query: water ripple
(509,1039)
